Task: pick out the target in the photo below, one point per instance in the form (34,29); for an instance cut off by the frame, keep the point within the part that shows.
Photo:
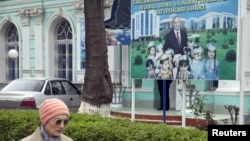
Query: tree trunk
(97,87)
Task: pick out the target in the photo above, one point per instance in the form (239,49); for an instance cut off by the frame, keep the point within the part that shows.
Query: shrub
(143,51)
(231,41)
(138,60)
(213,41)
(231,56)
(16,124)
(197,40)
(225,46)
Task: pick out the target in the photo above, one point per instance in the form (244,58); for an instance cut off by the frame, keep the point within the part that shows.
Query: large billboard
(184,39)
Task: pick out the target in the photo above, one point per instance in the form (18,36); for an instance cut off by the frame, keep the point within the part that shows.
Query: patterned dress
(211,69)
(197,70)
(165,75)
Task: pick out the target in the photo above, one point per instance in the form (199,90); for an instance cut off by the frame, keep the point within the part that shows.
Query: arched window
(11,41)
(63,50)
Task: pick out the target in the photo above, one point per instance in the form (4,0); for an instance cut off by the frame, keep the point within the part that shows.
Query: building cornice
(26,13)
(79,9)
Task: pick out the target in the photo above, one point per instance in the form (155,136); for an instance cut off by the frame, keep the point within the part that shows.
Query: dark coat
(171,42)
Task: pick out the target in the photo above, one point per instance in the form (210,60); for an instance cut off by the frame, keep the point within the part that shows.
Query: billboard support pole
(243,73)
(164,100)
(133,101)
(120,64)
(183,117)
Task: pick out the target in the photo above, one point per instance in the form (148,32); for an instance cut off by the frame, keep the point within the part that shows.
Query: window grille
(12,42)
(63,51)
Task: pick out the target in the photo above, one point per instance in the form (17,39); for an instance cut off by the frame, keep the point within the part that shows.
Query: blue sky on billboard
(219,6)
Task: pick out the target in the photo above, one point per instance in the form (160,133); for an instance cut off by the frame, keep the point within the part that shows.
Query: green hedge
(16,124)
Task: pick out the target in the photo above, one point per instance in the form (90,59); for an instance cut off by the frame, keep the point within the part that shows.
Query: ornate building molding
(78,7)
(36,12)
(59,12)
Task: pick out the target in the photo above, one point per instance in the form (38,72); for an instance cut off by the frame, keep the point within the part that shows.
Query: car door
(46,93)
(59,92)
(73,94)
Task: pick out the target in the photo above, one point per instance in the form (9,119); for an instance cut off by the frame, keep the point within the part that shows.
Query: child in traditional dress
(176,59)
(170,53)
(165,72)
(183,71)
(150,70)
(159,53)
(211,64)
(197,66)
(151,51)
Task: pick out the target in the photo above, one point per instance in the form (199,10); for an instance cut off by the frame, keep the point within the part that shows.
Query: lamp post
(13,54)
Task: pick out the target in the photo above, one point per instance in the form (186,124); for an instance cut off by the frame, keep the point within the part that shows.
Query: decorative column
(79,41)
(24,45)
(38,14)
(28,34)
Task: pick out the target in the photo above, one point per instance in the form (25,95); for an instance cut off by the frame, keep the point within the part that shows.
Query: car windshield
(25,85)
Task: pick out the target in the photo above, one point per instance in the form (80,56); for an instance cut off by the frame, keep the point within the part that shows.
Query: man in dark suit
(160,88)
(176,38)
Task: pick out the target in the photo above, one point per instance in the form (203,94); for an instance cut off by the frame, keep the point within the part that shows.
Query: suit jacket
(171,42)
(36,136)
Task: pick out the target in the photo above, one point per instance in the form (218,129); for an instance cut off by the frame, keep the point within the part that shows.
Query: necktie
(178,39)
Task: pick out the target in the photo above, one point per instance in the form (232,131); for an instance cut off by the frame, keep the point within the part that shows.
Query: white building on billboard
(210,20)
(144,25)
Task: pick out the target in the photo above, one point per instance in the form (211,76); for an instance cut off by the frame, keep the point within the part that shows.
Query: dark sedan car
(29,93)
